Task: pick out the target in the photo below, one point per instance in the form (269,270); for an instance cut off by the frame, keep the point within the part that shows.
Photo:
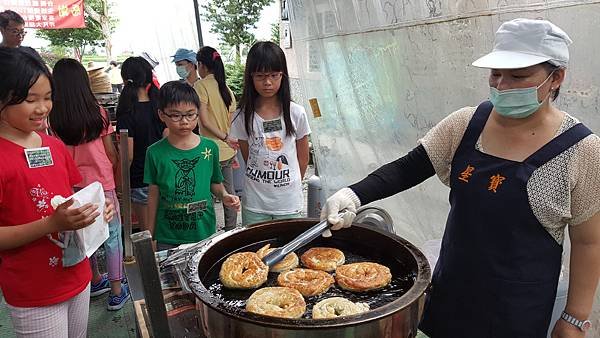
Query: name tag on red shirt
(38,157)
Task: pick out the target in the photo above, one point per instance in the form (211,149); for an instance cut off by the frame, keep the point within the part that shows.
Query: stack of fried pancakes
(245,270)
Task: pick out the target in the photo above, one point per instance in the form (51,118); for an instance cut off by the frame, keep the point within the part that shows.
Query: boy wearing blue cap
(185,61)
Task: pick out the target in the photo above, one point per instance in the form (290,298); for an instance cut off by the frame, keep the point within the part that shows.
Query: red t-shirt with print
(32,275)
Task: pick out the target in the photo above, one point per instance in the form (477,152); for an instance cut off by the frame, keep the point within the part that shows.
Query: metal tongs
(304,238)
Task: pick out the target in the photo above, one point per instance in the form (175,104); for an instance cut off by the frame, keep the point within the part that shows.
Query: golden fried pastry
(243,270)
(363,276)
(326,259)
(277,302)
(308,282)
(288,262)
(337,307)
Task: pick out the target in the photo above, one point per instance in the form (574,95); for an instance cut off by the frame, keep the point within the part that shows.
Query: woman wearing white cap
(520,170)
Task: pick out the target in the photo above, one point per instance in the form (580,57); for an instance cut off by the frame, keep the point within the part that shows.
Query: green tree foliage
(99,11)
(52,54)
(232,19)
(235,78)
(275,33)
(227,53)
(76,38)
(94,34)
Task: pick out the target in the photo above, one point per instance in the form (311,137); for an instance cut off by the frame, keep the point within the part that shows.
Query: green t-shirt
(185,208)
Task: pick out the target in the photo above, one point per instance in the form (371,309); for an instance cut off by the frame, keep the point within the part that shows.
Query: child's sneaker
(102,287)
(117,302)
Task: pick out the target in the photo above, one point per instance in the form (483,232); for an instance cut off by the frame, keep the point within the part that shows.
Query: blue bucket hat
(185,54)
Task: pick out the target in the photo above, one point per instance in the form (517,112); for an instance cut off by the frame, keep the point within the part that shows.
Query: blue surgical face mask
(517,103)
(183,72)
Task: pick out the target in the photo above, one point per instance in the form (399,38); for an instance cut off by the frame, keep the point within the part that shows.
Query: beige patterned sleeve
(585,196)
(442,141)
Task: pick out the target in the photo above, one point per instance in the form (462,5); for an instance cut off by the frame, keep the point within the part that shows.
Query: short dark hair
(8,15)
(19,71)
(114,63)
(176,92)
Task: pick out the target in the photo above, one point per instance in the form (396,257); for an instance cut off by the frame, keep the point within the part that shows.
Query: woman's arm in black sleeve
(394,177)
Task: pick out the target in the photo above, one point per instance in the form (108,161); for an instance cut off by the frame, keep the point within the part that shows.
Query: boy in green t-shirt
(182,171)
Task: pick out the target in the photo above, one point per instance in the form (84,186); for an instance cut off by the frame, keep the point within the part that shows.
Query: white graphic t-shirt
(273,184)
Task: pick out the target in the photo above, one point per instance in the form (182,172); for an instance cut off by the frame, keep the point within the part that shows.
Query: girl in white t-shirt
(273,137)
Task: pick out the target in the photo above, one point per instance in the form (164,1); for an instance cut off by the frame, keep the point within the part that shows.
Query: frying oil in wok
(234,301)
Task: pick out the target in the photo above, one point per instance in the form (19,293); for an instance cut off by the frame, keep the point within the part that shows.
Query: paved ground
(102,323)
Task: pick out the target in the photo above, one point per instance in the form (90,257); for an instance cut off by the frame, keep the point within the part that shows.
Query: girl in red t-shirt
(44,278)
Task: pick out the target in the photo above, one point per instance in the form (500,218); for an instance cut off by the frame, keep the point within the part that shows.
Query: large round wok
(395,311)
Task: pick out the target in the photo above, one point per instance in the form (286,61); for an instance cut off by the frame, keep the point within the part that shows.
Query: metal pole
(198,25)
(153,296)
(126,196)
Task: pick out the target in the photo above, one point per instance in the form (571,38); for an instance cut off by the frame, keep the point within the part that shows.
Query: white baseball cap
(521,43)
(151,60)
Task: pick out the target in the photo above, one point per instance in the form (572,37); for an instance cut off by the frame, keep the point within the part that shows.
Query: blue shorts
(139,195)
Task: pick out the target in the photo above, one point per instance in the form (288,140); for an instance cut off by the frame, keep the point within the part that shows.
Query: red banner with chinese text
(47,14)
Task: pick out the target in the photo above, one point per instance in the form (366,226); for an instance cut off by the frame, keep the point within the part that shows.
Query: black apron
(498,267)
